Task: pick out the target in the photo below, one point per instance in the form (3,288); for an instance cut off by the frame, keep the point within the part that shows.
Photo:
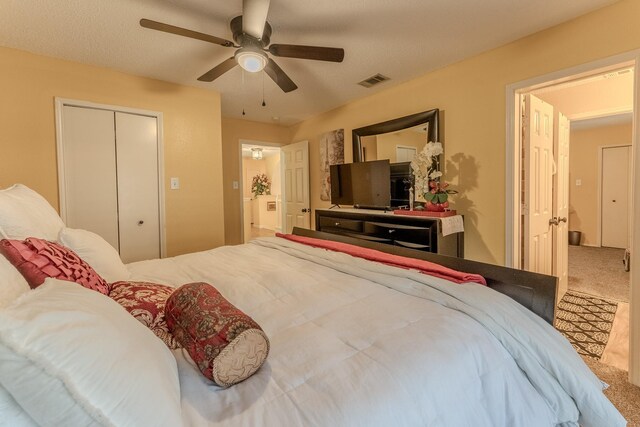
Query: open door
(296,210)
(537,133)
(561,204)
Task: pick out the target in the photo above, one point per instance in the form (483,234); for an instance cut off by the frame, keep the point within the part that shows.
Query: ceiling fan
(252,33)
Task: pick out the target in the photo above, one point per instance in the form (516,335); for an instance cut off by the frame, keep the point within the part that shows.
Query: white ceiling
(400,39)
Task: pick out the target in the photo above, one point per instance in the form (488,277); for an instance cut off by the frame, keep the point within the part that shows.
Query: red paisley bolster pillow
(39,260)
(145,301)
(227,345)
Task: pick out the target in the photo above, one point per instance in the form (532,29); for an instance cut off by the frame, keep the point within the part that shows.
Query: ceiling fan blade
(155,25)
(332,54)
(218,70)
(279,76)
(254,16)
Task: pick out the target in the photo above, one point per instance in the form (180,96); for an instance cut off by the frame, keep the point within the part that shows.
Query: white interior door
(87,169)
(138,186)
(296,186)
(561,204)
(616,166)
(538,197)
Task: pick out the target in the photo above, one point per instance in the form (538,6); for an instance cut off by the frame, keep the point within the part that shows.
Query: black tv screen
(341,186)
(401,181)
(362,184)
(371,187)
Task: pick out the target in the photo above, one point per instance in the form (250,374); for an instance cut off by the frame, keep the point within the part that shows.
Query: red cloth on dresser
(426,267)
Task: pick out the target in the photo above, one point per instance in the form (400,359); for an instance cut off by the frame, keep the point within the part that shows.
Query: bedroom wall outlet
(578,182)
(175,183)
(236,185)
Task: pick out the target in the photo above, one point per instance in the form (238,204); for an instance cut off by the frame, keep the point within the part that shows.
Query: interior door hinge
(524,209)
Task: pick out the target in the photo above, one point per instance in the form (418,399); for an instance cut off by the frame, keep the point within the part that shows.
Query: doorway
(583,111)
(261,190)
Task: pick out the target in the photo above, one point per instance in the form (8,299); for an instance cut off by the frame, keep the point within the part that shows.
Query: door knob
(140,222)
(306,210)
(554,221)
(563,219)
(613,201)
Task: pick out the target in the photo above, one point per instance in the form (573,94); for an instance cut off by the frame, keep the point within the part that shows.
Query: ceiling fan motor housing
(245,40)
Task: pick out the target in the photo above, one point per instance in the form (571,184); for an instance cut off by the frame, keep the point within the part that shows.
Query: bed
(356,342)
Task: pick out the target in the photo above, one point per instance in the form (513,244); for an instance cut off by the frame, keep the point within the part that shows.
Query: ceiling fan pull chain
(264,104)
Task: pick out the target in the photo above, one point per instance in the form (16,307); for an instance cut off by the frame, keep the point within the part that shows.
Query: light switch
(175,183)
(578,182)
(236,185)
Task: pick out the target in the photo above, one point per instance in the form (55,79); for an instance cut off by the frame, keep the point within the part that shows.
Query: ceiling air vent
(373,80)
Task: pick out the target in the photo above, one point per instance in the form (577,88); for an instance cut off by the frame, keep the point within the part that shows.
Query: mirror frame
(430,117)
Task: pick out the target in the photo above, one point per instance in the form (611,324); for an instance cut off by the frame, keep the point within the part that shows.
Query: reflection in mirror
(398,146)
(397,140)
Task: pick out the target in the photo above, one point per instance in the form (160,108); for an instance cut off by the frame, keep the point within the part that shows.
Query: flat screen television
(370,181)
(341,186)
(364,185)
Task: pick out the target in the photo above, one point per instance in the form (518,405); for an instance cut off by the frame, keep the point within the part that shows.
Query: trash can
(575,237)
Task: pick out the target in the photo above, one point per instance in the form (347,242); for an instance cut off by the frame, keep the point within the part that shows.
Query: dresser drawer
(404,233)
(340,224)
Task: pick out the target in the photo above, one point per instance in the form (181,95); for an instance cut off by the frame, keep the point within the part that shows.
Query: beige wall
(583,165)
(472,95)
(233,130)
(273,173)
(192,137)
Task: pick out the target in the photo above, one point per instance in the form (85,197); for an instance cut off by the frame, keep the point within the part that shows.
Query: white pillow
(97,252)
(72,356)
(12,414)
(24,213)
(12,283)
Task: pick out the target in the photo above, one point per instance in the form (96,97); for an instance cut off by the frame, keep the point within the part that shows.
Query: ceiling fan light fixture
(251,60)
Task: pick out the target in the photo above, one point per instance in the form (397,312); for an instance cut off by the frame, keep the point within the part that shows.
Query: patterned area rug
(586,322)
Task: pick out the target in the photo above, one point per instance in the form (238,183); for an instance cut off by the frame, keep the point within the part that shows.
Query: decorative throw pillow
(39,259)
(227,345)
(145,301)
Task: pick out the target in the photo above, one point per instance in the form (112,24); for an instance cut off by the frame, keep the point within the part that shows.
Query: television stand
(415,232)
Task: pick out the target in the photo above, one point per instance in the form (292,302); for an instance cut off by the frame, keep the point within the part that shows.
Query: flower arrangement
(260,185)
(426,169)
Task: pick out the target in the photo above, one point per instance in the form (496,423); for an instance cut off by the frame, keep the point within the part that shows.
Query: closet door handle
(140,222)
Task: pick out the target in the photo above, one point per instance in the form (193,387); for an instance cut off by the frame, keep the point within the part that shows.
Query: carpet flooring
(623,395)
(598,271)
(586,322)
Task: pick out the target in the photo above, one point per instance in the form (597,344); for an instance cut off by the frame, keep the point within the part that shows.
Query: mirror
(397,140)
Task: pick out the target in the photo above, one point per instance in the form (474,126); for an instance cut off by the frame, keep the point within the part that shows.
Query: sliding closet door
(89,171)
(137,178)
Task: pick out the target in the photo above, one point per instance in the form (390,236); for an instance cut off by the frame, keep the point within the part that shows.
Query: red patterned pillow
(39,259)
(226,344)
(145,301)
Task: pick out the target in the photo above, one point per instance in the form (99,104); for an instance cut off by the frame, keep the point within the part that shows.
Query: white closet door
(89,156)
(139,209)
(616,163)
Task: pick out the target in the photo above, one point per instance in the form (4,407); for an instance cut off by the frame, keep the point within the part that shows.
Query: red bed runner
(426,267)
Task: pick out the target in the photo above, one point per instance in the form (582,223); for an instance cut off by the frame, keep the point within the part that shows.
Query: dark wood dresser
(423,233)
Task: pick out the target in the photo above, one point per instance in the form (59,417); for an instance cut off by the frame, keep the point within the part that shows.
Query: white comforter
(356,343)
